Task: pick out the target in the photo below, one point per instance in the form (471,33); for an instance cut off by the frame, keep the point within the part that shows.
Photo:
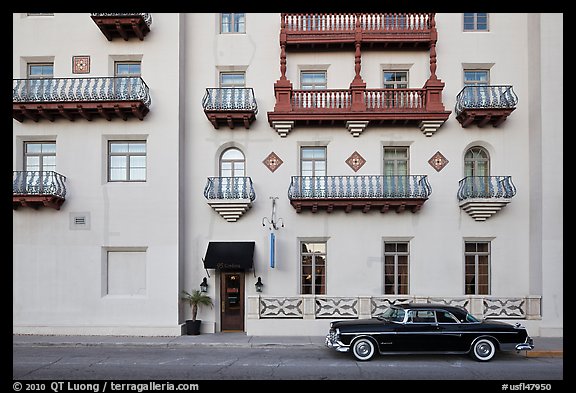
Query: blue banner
(272,249)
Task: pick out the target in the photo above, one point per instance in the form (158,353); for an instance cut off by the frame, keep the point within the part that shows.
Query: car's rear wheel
(483,350)
(363,349)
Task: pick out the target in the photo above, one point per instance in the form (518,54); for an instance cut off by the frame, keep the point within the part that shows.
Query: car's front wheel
(483,350)
(364,349)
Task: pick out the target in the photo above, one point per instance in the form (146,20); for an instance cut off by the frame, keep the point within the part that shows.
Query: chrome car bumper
(527,345)
(333,342)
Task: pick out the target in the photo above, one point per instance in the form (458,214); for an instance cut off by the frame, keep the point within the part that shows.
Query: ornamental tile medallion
(438,161)
(80,64)
(355,161)
(272,162)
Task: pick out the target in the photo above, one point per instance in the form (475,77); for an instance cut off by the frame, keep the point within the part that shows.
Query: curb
(544,354)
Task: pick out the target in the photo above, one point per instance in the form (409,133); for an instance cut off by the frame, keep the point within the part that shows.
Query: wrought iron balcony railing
(479,97)
(364,187)
(69,97)
(123,25)
(230,105)
(229,188)
(145,16)
(486,187)
(229,99)
(36,188)
(81,89)
(485,104)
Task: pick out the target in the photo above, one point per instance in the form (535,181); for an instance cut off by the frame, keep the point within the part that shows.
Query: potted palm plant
(195,299)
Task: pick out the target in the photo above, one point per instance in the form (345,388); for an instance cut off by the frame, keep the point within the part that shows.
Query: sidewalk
(543,346)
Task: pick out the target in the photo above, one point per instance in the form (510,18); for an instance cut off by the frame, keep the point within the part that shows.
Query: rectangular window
(395,161)
(396,257)
(232,79)
(127,161)
(40,79)
(476,77)
(313,170)
(477,268)
(395,79)
(40,156)
(127,79)
(313,80)
(475,21)
(313,268)
(232,23)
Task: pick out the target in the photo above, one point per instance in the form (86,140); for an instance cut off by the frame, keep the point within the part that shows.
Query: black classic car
(425,328)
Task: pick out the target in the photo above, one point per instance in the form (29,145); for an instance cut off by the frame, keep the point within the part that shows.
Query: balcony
(374,106)
(483,196)
(73,98)
(230,197)
(123,25)
(485,105)
(370,192)
(410,30)
(230,106)
(38,189)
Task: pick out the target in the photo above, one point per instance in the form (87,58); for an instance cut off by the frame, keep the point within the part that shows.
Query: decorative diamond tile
(272,162)
(355,161)
(438,161)
(80,64)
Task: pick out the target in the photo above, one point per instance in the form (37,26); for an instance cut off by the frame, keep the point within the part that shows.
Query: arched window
(232,174)
(476,162)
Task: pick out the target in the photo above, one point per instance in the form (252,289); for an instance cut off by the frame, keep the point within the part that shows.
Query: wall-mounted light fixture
(204,285)
(273,221)
(259,285)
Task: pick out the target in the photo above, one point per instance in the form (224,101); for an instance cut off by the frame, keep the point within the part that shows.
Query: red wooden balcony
(309,30)
(38,189)
(73,98)
(123,25)
(373,106)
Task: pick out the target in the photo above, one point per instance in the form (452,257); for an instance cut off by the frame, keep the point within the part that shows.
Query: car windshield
(393,314)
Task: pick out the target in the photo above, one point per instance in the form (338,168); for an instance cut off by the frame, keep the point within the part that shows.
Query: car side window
(445,317)
(421,316)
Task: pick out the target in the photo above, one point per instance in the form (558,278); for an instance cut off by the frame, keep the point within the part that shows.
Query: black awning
(229,255)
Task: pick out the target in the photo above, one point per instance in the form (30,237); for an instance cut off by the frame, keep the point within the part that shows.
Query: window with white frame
(127,75)
(232,174)
(312,268)
(232,79)
(126,161)
(477,267)
(396,256)
(313,170)
(395,79)
(476,77)
(475,21)
(312,81)
(232,23)
(40,77)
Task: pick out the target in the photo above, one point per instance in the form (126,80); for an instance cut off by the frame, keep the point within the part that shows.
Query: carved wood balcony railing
(367,192)
(485,104)
(123,25)
(338,29)
(230,106)
(72,98)
(379,106)
(37,189)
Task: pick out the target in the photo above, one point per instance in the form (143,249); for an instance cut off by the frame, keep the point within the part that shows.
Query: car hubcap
(363,349)
(483,350)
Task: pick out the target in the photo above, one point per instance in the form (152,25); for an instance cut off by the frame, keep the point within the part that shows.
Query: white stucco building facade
(388,185)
